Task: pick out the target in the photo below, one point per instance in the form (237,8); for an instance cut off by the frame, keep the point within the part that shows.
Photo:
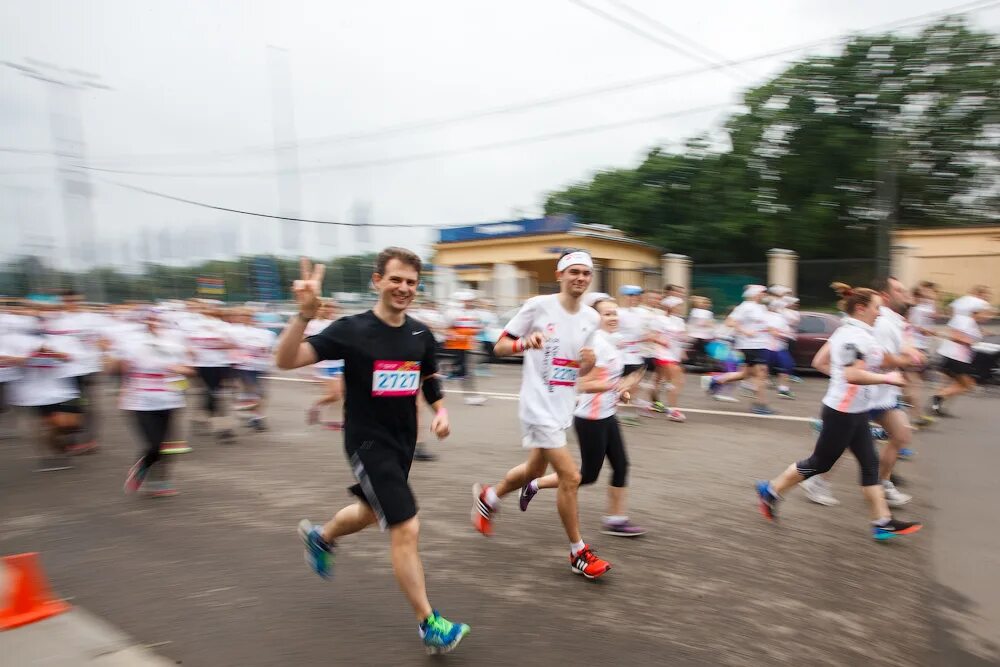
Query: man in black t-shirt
(388,357)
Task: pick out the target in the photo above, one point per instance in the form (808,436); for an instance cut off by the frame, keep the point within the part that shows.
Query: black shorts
(954,368)
(382,471)
(650,364)
(70,407)
(756,357)
(632,368)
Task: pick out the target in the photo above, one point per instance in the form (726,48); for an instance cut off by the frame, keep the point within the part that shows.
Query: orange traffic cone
(28,597)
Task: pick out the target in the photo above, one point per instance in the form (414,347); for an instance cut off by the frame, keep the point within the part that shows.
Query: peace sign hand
(309,287)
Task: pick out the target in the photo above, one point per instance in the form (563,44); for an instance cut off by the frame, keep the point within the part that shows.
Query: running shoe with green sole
(319,553)
(441,635)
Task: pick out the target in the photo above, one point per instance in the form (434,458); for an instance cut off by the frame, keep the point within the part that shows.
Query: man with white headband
(554,332)
(749,320)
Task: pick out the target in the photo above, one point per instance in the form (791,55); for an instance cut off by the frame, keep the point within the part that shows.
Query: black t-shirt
(383,370)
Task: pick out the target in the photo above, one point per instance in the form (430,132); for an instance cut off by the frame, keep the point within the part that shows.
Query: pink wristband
(518,346)
(442,412)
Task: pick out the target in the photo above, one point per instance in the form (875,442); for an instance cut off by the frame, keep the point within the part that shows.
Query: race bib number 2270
(395,378)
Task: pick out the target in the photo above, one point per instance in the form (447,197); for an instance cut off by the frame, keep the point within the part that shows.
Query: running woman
(388,358)
(595,423)
(853,351)
(256,357)
(211,341)
(670,334)
(922,331)
(749,321)
(153,365)
(962,333)
(633,327)
(781,332)
(553,331)
(701,326)
(329,371)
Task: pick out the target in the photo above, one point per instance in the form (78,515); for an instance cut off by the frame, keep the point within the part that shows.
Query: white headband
(578,257)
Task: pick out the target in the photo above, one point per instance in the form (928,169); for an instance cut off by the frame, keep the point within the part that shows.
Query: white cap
(780,290)
(672,301)
(464,295)
(577,257)
(590,298)
(791,300)
(753,290)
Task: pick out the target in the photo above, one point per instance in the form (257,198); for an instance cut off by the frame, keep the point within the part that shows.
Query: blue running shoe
(906,453)
(319,554)
(767,502)
(761,409)
(817,425)
(879,433)
(895,528)
(713,387)
(441,635)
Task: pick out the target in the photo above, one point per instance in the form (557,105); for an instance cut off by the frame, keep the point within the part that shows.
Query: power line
(519,107)
(380,162)
(636,30)
(713,56)
(215,207)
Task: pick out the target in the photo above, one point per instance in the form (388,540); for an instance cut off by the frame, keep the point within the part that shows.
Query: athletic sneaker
(658,406)
(893,496)
(78,448)
(819,491)
(624,528)
(312,415)
(895,528)
(333,425)
(441,635)
(725,398)
(175,447)
(587,563)
(421,453)
(786,393)
(906,453)
(923,420)
(767,502)
(761,409)
(713,386)
(795,378)
(319,553)
(475,400)
(162,490)
(878,433)
(482,513)
(629,420)
(527,493)
(676,415)
(817,424)
(136,476)
(226,435)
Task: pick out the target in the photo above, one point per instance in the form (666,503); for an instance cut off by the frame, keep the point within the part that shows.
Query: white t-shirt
(256,348)
(963,324)
(548,379)
(633,327)
(701,324)
(793,317)
(434,320)
(87,329)
(147,381)
(211,342)
(850,342)
(890,332)
(963,305)
(671,333)
(8,371)
(921,315)
(752,319)
(44,380)
(776,320)
(610,365)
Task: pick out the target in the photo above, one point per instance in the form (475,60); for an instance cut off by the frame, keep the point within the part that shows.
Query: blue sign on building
(551,224)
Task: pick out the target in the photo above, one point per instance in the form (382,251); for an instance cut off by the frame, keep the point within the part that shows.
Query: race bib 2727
(395,378)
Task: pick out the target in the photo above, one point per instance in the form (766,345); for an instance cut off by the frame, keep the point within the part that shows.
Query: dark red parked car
(814,330)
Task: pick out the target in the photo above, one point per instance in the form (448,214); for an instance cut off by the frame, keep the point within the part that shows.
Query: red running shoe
(587,563)
(482,512)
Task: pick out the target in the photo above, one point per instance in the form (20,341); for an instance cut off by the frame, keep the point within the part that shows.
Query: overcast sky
(191,79)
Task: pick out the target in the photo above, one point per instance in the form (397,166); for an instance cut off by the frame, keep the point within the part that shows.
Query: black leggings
(87,386)
(213,377)
(600,438)
(840,431)
(153,426)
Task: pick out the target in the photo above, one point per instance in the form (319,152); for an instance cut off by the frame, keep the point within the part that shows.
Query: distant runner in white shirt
(256,357)
(211,341)
(596,426)
(962,333)
(554,331)
(670,336)
(749,321)
(633,330)
(921,318)
(328,371)
(781,333)
(153,365)
(701,325)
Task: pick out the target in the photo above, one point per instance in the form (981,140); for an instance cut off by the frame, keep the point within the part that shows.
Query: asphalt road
(215,575)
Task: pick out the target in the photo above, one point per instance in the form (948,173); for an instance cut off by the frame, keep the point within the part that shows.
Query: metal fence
(815,276)
(724,283)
